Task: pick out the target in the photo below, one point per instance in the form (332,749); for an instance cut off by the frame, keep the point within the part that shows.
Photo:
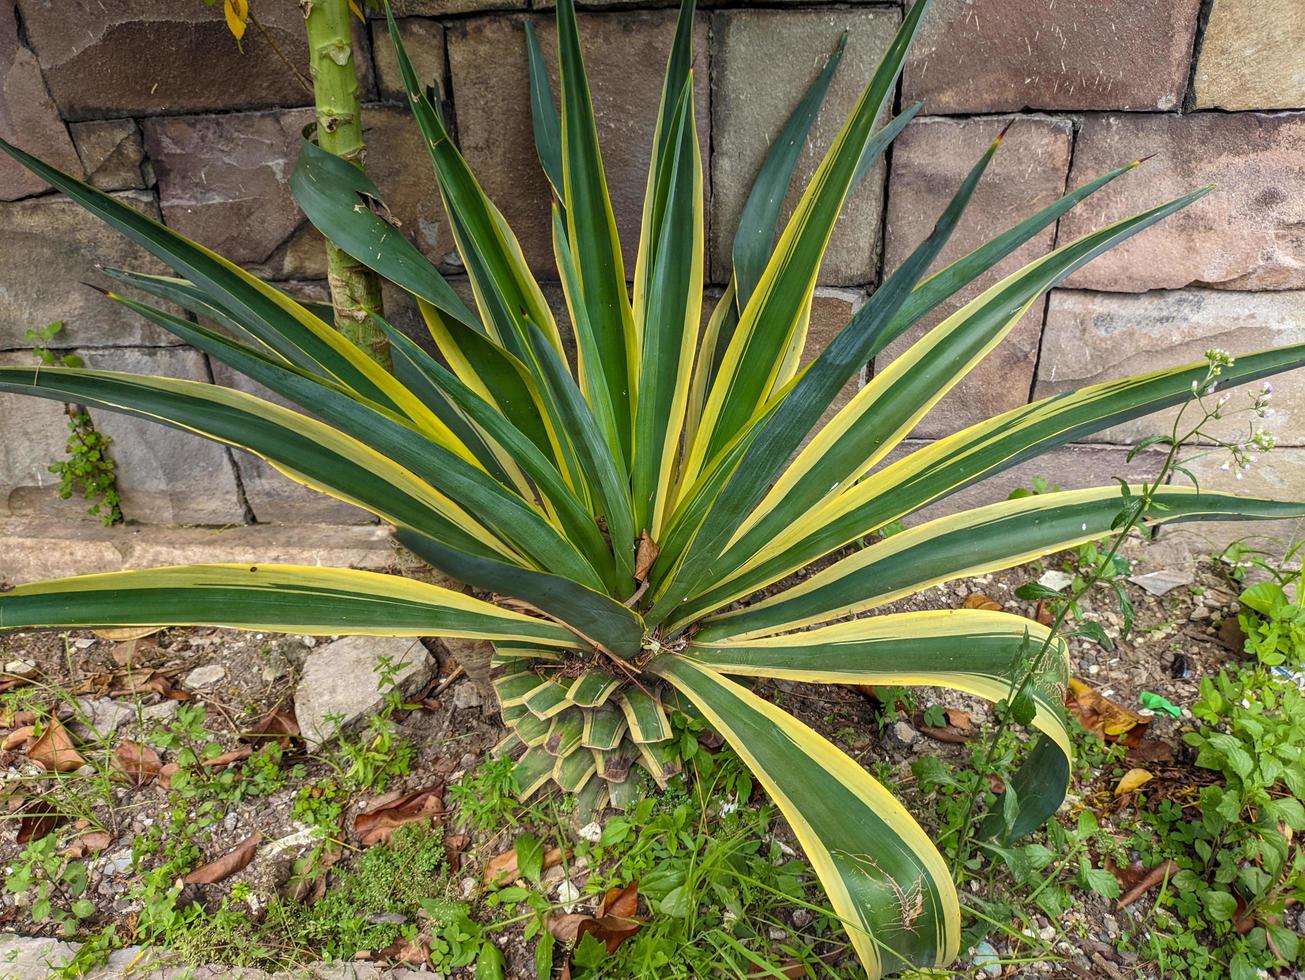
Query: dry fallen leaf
(18,738)
(54,750)
(226,758)
(90,842)
(1097,713)
(124,634)
(1156,875)
(388,813)
(413,952)
(454,845)
(1043,613)
(612,923)
(39,818)
(278,726)
(977,600)
(645,557)
(503,867)
(227,865)
(1132,781)
(139,763)
(166,774)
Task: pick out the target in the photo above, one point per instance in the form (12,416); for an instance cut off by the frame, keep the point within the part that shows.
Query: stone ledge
(35,549)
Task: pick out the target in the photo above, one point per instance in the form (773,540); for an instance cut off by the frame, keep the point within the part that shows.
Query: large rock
(1279,475)
(35,433)
(1247,233)
(166,476)
(1003,55)
(625,55)
(38,548)
(225,181)
(141,57)
(1252,56)
(440,8)
(930,159)
(112,153)
(1094,337)
(766,59)
(272,496)
(50,246)
(340,685)
(28,116)
(423,39)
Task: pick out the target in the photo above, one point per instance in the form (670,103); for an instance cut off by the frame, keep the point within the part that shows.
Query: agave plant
(637,518)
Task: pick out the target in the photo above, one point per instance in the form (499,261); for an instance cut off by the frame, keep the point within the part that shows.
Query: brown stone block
(1005,55)
(440,8)
(28,116)
(225,182)
(111,152)
(1278,475)
(625,55)
(1247,233)
(50,246)
(765,61)
(930,160)
(1252,56)
(1094,337)
(423,39)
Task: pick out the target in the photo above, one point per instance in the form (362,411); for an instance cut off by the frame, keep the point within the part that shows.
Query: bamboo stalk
(355,289)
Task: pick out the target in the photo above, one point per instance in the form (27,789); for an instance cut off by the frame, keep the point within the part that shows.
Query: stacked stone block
(154,103)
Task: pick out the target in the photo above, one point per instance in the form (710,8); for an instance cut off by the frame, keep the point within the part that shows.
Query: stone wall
(150,100)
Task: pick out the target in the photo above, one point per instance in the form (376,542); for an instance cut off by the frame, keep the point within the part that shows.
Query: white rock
(85,643)
(467,695)
(1055,579)
(1163,581)
(103,717)
(592,832)
(205,676)
(568,894)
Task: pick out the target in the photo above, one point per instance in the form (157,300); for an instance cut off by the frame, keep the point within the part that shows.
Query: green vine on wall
(88,466)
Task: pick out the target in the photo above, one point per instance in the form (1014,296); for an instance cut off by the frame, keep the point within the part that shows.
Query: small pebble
(85,643)
(567,893)
(205,676)
(986,960)
(592,832)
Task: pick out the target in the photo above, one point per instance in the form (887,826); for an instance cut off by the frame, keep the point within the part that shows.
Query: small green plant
(89,467)
(1273,620)
(55,885)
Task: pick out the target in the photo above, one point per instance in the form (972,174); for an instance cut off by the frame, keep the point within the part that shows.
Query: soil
(453,730)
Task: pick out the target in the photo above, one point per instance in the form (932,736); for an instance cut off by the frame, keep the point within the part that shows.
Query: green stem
(355,289)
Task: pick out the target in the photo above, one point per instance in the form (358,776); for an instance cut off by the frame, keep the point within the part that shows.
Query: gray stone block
(1252,56)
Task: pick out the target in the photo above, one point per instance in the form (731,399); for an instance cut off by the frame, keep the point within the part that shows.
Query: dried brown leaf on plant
(612,923)
(1098,714)
(54,750)
(977,600)
(645,557)
(503,867)
(228,864)
(280,726)
(388,813)
(139,763)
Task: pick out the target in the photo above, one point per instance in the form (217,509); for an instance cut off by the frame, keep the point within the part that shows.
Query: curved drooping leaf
(885,879)
(276,598)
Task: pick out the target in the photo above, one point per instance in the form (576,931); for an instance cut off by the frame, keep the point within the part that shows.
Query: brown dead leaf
(124,634)
(503,867)
(307,883)
(1043,613)
(388,813)
(139,763)
(226,758)
(1098,714)
(1132,781)
(645,557)
(977,600)
(91,842)
(278,726)
(228,864)
(1232,636)
(454,845)
(1152,878)
(39,817)
(957,731)
(134,681)
(134,652)
(54,750)
(413,952)
(166,773)
(612,923)
(1150,750)
(18,738)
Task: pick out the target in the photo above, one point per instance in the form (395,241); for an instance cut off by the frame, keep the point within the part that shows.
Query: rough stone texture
(625,55)
(1093,337)
(1248,233)
(830,311)
(1069,467)
(49,247)
(433,8)
(28,116)
(766,59)
(424,41)
(166,476)
(1003,55)
(111,152)
(272,496)
(242,207)
(930,159)
(34,433)
(1252,56)
(340,679)
(1279,475)
(36,548)
(140,56)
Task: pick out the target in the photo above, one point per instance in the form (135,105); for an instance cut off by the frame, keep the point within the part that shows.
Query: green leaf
(530,857)
(547,123)
(490,963)
(1220,906)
